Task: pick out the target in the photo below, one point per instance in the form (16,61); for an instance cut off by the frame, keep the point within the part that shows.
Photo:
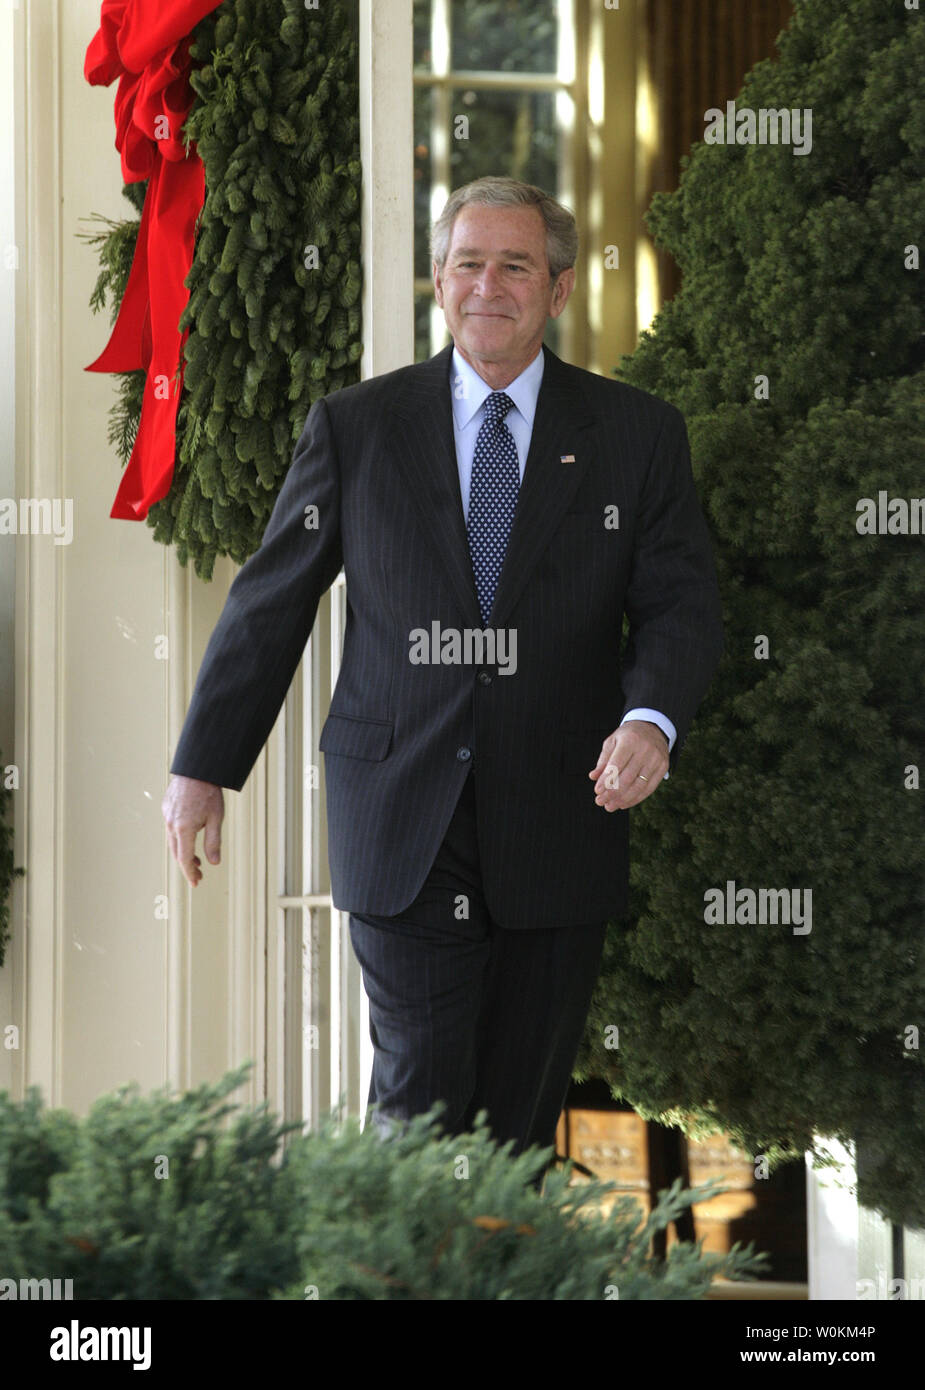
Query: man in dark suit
(496,513)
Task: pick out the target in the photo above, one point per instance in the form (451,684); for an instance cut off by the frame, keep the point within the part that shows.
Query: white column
(387,153)
(38,928)
(10,212)
(832,1226)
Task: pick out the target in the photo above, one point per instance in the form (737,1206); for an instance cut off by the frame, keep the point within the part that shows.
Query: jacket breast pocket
(356,738)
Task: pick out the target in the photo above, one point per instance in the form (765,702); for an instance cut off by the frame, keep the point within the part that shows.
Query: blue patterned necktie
(492,498)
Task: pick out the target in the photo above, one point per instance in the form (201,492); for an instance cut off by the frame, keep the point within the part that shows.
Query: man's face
(495,288)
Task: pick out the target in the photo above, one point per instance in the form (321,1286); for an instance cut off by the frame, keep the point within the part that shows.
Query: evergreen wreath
(274,306)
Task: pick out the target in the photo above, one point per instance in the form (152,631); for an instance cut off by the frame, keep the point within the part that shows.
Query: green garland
(276,125)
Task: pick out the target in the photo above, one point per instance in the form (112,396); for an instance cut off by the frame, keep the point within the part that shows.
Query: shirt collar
(470,391)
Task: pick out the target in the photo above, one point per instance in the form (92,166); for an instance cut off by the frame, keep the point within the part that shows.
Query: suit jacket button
(464,754)
(485,678)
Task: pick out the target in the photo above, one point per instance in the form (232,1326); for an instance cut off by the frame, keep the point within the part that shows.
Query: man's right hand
(188,807)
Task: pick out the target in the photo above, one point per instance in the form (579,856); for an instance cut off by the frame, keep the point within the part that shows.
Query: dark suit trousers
(466,1012)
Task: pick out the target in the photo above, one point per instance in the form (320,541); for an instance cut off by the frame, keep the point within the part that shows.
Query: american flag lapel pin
(566,458)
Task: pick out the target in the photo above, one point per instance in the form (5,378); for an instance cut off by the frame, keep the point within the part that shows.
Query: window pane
(422,58)
(504,35)
(492,35)
(423,107)
(423,346)
(512,133)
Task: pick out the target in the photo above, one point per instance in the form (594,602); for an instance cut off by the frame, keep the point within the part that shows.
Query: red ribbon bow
(145,43)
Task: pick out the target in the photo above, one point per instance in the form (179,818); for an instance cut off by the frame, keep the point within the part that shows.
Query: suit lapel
(425,452)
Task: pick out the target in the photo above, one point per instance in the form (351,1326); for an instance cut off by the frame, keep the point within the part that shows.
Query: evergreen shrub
(802,769)
(190,1197)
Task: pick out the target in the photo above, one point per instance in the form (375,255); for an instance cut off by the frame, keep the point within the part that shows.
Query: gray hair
(497,192)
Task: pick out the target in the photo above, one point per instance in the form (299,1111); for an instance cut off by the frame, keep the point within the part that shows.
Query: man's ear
(561,291)
(438,284)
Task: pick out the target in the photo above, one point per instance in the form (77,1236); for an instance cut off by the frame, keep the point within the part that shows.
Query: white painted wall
(105,992)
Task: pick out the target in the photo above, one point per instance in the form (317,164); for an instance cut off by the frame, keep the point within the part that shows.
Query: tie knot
(497,406)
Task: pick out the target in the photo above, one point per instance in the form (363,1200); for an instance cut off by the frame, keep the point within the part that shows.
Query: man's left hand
(632,763)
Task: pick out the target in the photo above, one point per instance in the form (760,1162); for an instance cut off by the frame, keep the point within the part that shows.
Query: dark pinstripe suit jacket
(378,461)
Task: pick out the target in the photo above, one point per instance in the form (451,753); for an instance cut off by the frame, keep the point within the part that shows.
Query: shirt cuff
(654,717)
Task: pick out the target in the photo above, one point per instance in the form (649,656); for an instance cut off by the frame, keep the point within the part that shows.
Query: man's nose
(488,283)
